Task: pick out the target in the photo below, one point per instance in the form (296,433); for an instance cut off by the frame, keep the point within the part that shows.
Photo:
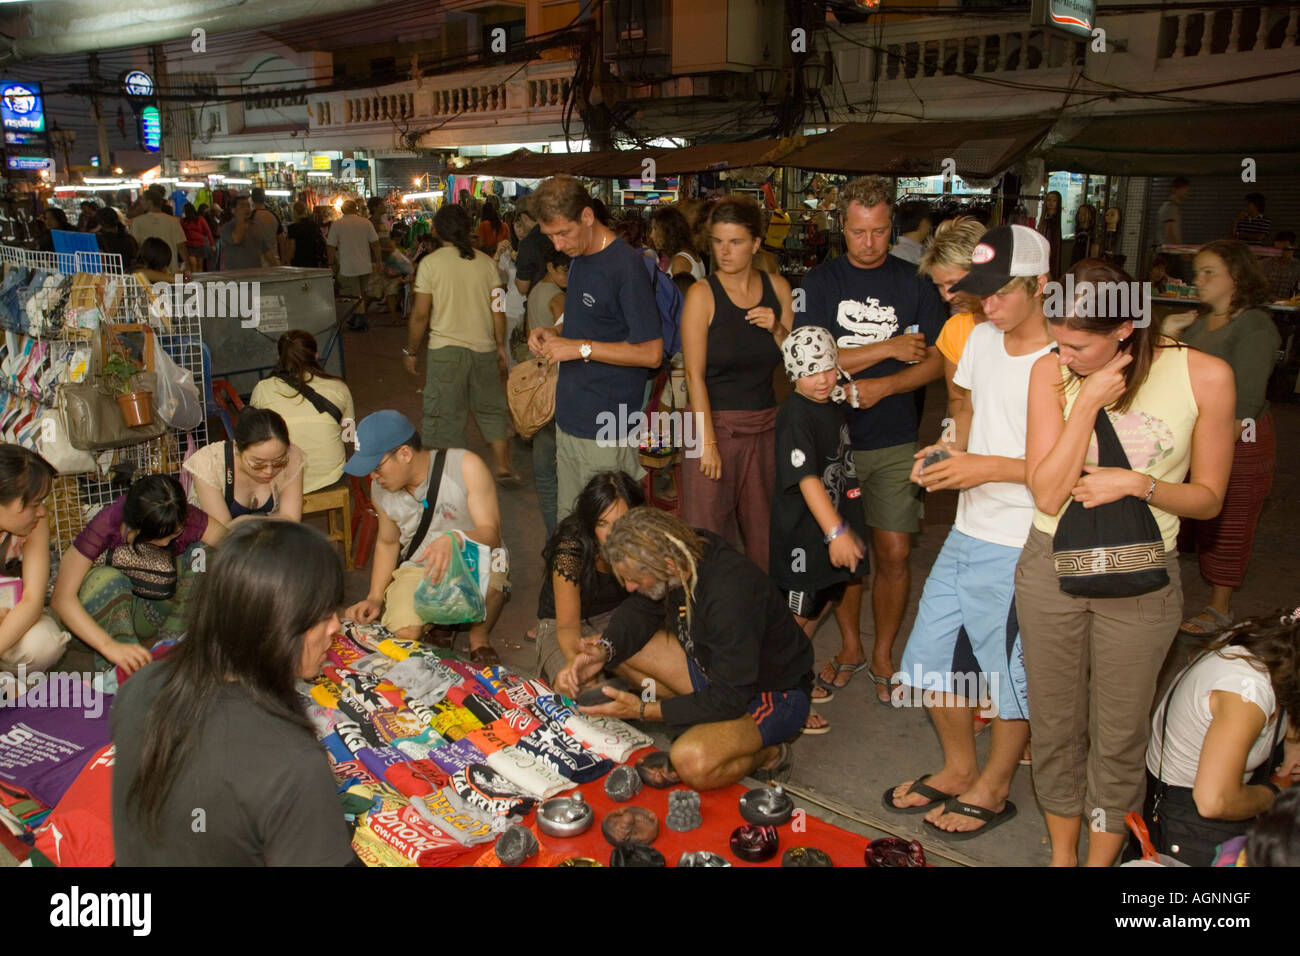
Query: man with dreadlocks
(732,669)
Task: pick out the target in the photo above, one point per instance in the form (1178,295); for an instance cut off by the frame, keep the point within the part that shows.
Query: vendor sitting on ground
(259,474)
(732,669)
(123,585)
(30,638)
(579,590)
(465,501)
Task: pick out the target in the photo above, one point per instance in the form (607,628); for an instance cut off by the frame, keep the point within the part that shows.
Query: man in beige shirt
(156,224)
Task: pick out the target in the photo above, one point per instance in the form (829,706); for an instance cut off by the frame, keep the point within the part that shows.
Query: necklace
(603,243)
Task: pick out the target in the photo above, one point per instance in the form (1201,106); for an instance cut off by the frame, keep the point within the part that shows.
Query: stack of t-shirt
(435,756)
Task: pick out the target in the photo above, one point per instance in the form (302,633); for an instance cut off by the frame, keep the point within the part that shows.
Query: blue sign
(151,128)
(20,107)
(22,139)
(138,83)
(29,162)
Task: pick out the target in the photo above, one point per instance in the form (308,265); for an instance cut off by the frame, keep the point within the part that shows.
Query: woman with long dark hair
(1092,662)
(218,728)
(31,640)
(670,234)
(733,325)
(491,230)
(125,583)
(1232,324)
(579,589)
(260,473)
(315,405)
(1214,737)
(113,238)
(466,344)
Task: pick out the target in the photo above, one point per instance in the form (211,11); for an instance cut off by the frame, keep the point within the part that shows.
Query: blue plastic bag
(455,599)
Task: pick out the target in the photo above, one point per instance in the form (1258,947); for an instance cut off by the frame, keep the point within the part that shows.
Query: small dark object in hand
(630,825)
(754,844)
(805,856)
(596,696)
(622,784)
(702,858)
(936,456)
(683,811)
(657,771)
(766,806)
(515,845)
(636,854)
(892,851)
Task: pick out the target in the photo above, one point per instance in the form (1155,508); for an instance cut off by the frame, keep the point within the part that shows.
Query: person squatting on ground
(731,668)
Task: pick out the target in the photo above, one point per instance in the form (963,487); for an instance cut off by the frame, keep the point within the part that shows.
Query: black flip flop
(918,786)
(991,818)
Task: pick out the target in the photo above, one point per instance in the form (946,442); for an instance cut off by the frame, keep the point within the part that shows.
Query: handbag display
(150,569)
(53,445)
(1112,550)
(94,420)
(530,392)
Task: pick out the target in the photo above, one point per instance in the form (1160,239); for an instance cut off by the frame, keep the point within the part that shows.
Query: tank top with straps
(742,358)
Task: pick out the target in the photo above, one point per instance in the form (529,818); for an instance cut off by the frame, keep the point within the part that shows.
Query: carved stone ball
(622,784)
(683,811)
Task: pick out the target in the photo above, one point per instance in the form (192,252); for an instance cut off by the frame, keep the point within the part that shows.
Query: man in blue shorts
(729,668)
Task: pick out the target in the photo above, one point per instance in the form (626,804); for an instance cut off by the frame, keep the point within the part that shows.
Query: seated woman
(260,473)
(30,638)
(219,724)
(1213,737)
(123,585)
(579,590)
(315,405)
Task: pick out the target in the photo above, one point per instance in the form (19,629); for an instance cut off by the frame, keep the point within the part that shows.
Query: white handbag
(51,440)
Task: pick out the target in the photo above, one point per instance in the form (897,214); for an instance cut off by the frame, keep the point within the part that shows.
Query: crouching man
(731,669)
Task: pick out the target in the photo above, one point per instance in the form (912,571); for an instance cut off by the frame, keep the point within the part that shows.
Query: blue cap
(377,435)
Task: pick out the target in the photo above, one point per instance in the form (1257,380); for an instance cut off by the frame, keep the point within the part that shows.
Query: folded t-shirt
(607,736)
(551,744)
(527,772)
(457,756)
(417,778)
(407,832)
(452,819)
(483,788)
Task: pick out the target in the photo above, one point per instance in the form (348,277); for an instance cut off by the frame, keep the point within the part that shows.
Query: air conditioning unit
(637,38)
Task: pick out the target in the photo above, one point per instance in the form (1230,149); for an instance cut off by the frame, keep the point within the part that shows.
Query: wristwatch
(585,350)
(407,352)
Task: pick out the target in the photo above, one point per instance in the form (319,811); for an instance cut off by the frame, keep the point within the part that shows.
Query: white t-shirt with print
(997,511)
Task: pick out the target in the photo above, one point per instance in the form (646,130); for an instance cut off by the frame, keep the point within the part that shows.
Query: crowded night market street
(582,433)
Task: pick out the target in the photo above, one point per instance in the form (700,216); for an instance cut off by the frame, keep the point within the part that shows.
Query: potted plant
(136,406)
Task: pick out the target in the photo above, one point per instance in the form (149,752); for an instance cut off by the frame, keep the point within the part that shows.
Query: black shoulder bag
(430,503)
(1112,550)
(315,398)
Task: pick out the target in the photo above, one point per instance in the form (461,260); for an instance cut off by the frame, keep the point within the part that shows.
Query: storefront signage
(29,162)
(151,129)
(320,162)
(138,83)
(20,107)
(1074,18)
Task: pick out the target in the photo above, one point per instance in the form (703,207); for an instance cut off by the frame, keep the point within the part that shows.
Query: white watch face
(584,350)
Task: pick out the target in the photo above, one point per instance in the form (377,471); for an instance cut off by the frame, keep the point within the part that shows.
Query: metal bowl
(754,844)
(565,816)
(766,806)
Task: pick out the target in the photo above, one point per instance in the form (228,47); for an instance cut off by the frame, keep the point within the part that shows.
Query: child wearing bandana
(818,526)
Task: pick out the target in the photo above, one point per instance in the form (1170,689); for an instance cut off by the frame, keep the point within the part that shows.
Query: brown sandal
(485,656)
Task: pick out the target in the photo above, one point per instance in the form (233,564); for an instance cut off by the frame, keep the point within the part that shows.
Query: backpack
(669,299)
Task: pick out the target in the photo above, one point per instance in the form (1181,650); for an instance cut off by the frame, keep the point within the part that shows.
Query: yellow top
(1156,432)
(952,337)
(316,433)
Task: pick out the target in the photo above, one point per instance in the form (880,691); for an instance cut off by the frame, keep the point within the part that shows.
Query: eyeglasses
(257,464)
(380,463)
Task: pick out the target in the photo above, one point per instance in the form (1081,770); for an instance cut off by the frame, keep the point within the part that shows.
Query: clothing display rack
(50,347)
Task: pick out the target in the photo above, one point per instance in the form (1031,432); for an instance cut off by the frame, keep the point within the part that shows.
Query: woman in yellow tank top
(1092,663)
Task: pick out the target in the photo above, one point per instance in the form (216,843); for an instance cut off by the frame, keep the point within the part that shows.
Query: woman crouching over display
(219,725)
(1214,736)
(1116,420)
(124,583)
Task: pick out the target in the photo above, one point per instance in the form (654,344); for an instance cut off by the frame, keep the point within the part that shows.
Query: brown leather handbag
(530,391)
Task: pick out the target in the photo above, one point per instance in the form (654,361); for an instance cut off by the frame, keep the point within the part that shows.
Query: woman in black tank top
(733,324)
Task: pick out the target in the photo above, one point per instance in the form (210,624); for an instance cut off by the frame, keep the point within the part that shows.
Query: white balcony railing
(1213,31)
(469,98)
(1007,51)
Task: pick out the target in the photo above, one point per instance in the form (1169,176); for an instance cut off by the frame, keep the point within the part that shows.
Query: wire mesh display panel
(126,301)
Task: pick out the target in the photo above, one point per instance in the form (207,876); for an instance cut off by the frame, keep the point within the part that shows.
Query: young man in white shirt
(353,246)
(966,640)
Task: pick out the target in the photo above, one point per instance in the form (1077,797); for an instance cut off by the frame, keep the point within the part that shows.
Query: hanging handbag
(53,445)
(150,569)
(530,392)
(94,420)
(1112,550)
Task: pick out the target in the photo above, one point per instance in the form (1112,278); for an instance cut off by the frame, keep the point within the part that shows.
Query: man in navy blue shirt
(869,300)
(609,335)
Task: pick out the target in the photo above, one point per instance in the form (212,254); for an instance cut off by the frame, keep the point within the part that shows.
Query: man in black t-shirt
(729,666)
(534,248)
(869,300)
(611,334)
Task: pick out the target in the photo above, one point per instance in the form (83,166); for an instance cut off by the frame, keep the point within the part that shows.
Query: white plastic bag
(177,399)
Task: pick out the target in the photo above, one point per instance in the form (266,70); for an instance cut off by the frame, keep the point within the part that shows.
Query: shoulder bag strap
(230,473)
(1110,451)
(315,398)
(430,503)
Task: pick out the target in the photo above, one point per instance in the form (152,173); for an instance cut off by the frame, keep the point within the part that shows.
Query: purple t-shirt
(49,735)
(105,531)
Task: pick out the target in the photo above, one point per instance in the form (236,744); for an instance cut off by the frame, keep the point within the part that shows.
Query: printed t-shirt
(812,439)
(996,511)
(462,292)
(105,530)
(608,299)
(865,306)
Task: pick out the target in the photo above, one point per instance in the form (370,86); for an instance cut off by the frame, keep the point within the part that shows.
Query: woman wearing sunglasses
(259,473)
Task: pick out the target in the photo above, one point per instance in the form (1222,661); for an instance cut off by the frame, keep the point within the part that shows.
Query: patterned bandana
(810,349)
